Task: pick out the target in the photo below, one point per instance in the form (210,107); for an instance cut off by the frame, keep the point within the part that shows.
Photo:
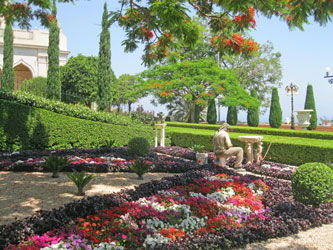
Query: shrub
(211,112)
(253,113)
(275,114)
(140,167)
(80,179)
(232,115)
(35,86)
(310,104)
(312,184)
(138,146)
(55,164)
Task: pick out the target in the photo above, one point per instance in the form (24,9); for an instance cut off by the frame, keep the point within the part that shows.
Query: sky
(305,54)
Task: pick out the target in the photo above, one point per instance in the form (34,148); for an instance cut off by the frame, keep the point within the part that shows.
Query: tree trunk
(192,112)
(129,107)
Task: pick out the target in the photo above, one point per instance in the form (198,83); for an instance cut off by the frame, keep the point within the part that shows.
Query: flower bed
(191,211)
(207,205)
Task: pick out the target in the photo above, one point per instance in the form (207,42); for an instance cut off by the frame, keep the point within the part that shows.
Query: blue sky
(305,54)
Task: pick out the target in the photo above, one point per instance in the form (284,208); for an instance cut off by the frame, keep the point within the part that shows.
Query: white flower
(155,240)
(108,246)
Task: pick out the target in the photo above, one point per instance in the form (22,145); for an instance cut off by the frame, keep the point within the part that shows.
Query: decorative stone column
(303,117)
(162,139)
(249,141)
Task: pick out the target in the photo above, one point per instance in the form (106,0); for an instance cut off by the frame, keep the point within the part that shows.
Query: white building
(30,53)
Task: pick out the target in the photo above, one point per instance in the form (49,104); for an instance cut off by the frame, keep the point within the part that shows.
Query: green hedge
(261,131)
(293,151)
(72,110)
(25,127)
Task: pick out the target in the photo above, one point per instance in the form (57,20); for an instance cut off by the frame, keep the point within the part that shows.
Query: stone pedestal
(303,117)
(249,141)
(162,141)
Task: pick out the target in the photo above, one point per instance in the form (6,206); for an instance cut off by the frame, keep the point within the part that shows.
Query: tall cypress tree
(310,104)
(232,115)
(197,110)
(53,75)
(275,114)
(253,113)
(8,75)
(104,79)
(211,112)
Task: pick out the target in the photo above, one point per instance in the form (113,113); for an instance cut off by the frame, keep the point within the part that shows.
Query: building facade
(30,53)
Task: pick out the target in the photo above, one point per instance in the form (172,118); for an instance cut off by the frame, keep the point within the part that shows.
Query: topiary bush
(312,184)
(138,146)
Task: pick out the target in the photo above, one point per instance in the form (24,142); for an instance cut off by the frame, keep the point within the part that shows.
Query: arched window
(22,72)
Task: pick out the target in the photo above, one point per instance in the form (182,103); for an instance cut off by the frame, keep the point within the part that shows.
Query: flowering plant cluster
(208,205)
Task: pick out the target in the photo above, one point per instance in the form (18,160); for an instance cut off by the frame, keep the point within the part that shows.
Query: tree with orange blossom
(196,82)
(158,23)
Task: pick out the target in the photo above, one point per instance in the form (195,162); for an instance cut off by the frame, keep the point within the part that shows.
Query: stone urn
(303,117)
(202,158)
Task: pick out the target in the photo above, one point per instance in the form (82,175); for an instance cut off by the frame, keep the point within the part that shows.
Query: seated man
(223,146)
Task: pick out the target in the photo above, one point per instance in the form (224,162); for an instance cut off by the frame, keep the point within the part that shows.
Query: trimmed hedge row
(258,130)
(24,127)
(292,151)
(77,111)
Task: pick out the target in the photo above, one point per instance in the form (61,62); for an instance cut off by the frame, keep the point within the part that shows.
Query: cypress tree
(253,113)
(8,75)
(104,78)
(53,75)
(275,114)
(232,115)
(211,112)
(197,110)
(310,104)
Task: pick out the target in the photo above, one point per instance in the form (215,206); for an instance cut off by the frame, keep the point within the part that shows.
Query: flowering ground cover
(207,205)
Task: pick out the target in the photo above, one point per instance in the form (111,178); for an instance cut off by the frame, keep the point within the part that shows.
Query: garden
(203,206)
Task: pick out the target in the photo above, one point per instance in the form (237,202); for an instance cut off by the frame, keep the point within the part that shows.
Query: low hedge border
(258,130)
(292,151)
(78,111)
(26,127)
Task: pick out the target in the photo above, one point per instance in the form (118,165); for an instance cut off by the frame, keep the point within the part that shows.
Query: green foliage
(105,76)
(53,76)
(36,86)
(253,113)
(198,148)
(140,167)
(55,164)
(80,179)
(312,184)
(330,164)
(126,90)
(211,113)
(275,114)
(261,70)
(79,78)
(7,74)
(138,146)
(24,127)
(310,104)
(109,143)
(260,130)
(195,82)
(284,149)
(232,115)
(78,111)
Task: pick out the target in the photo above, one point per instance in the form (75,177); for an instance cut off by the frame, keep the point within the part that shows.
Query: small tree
(253,112)
(275,115)
(232,115)
(53,76)
(211,112)
(104,77)
(79,77)
(310,104)
(8,75)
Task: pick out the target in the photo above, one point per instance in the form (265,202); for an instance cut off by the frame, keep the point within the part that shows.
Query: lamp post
(327,70)
(291,91)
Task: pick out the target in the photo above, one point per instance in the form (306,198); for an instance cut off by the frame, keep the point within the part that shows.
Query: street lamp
(291,91)
(327,70)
